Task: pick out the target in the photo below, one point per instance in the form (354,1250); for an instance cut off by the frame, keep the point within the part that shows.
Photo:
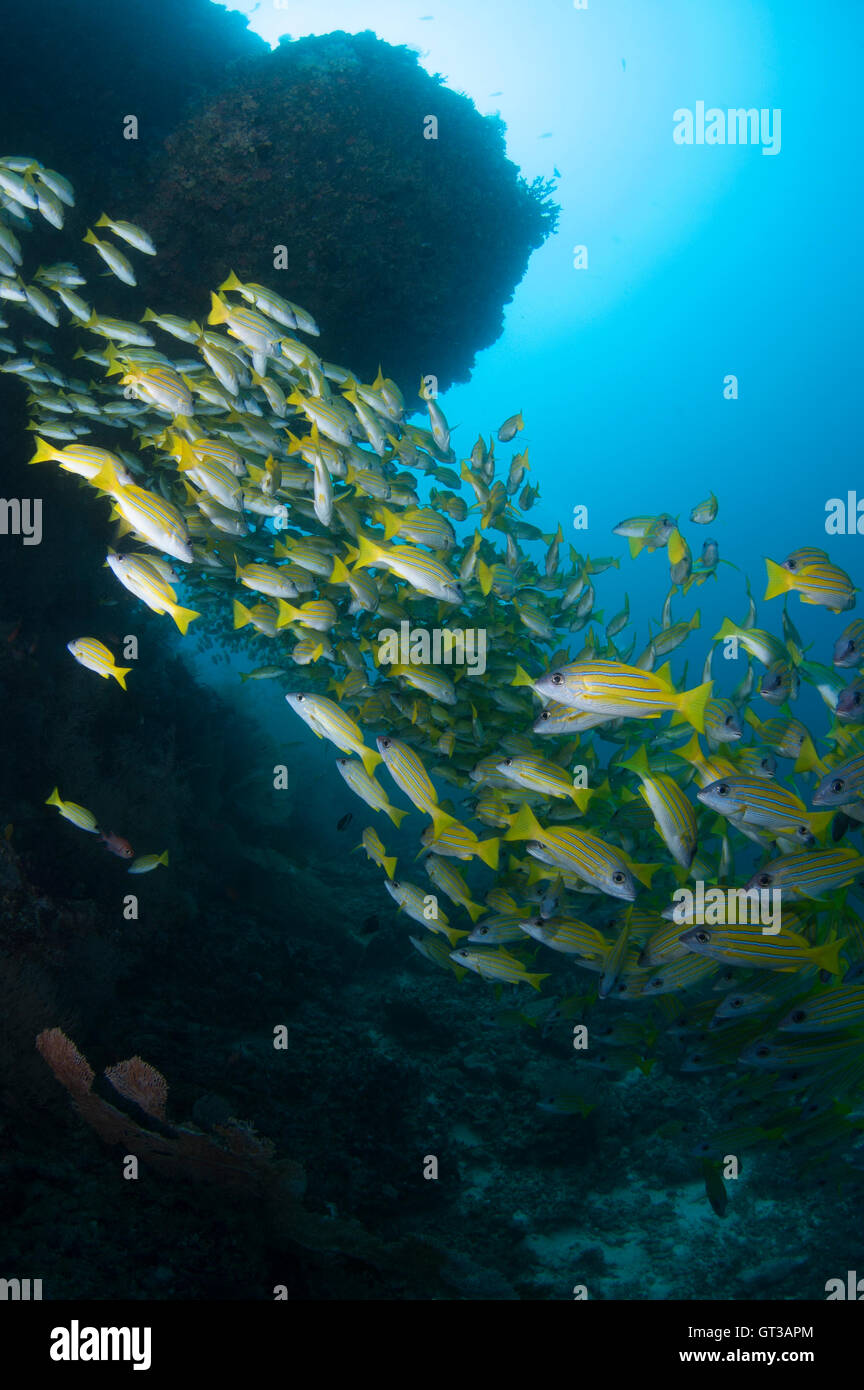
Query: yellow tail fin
(44,451)
(184,616)
(778,579)
(218,312)
(242,616)
(692,704)
(523,826)
(488,852)
(370,759)
(120,673)
(54,799)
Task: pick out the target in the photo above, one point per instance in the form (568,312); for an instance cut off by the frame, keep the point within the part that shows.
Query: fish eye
(545,714)
(557,679)
(838,785)
(729,720)
(618,877)
(852,646)
(798,1015)
(723,789)
(396,883)
(385,743)
(508,762)
(763,1051)
(765,880)
(735,1003)
(790,564)
(856,698)
(300,699)
(703,937)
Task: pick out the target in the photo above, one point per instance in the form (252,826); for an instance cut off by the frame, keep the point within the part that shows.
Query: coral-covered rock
(404,248)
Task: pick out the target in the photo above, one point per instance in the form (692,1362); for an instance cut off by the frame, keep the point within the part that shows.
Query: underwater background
(669,322)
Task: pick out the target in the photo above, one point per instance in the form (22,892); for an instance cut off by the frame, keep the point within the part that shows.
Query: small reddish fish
(117,845)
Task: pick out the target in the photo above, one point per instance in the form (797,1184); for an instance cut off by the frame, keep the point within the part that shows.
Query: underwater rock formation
(408,247)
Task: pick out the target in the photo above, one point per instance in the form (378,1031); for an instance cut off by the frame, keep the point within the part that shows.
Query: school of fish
(562,798)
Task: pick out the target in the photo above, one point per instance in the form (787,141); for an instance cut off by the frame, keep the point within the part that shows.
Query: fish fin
(441,821)
(163,858)
(778,579)
(484,577)
(182,617)
(389,863)
(389,520)
(120,673)
(232,283)
(242,616)
(827,957)
(287,613)
(54,799)
(522,678)
(395,814)
(808,759)
(488,852)
(218,312)
(523,826)
(534,980)
(692,704)
(44,451)
(370,759)
(339,572)
(474,910)
(368,554)
(638,762)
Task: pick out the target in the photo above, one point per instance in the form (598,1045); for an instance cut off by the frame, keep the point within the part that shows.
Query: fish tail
(452,934)
(339,572)
(370,759)
(808,759)
(389,520)
(389,863)
(182,617)
(637,544)
(103,221)
(44,451)
(523,826)
(484,576)
(638,762)
(827,957)
(367,553)
(90,237)
(242,616)
(692,704)
(232,283)
(522,678)
(488,851)
(474,910)
(287,613)
(218,312)
(163,858)
(395,814)
(534,980)
(54,799)
(778,579)
(120,673)
(441,821)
